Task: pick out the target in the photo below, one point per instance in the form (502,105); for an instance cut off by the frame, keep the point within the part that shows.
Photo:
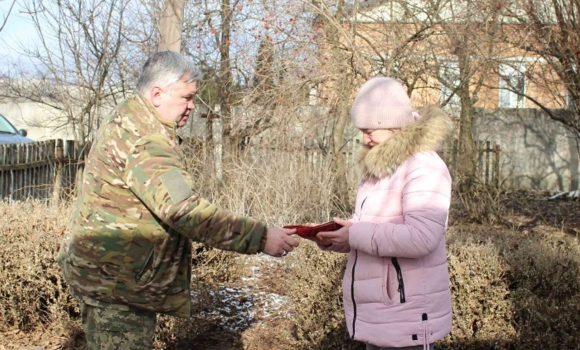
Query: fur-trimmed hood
(426,135)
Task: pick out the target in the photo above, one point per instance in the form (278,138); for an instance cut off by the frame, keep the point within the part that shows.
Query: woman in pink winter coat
(396,284)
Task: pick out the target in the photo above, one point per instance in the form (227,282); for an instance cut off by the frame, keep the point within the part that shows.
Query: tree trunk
(340,183)
(170,26)
(343,83)
(467,151)
(225,74)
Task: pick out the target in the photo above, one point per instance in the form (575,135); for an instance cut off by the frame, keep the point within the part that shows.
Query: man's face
(175,104)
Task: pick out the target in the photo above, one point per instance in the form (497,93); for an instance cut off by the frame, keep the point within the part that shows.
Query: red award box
(310,231)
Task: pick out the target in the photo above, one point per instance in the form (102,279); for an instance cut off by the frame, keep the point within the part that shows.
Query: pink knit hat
(382,103)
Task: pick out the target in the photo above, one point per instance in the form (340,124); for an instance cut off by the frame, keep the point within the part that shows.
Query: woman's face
(372,138)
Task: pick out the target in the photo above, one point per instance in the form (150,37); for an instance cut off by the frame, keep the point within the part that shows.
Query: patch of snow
(565,195)
(236,309)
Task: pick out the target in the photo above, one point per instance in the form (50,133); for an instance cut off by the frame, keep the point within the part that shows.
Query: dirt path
(246,312)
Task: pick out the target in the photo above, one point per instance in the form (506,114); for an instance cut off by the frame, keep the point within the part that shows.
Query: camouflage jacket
(128,241)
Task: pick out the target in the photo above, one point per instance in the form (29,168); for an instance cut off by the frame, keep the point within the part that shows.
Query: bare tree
(549,32)
(209,38)
(81,65)
(337,44)
(265,73)
(471,36)
(225,40)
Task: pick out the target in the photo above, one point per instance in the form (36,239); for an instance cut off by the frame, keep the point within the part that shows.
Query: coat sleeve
(426,198)
(156,175)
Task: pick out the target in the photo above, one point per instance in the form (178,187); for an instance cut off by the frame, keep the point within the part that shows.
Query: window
(449,79)
(6,127)
(512,85)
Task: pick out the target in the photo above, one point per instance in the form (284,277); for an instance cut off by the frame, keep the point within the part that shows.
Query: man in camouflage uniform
(127,253)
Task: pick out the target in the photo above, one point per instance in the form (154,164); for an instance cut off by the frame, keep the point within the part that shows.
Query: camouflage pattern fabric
(129,237)
(113,327)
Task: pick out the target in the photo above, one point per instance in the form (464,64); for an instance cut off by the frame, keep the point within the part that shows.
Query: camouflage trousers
(114,326)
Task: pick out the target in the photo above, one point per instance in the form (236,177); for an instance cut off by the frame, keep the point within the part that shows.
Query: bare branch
(7,15)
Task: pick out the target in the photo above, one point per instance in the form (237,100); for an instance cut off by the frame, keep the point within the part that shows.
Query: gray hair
(164,69)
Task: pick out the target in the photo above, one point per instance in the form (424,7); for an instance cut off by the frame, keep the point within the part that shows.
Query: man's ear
(155,96)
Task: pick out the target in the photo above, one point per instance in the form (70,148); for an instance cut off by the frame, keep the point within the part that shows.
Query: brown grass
(33,294)
(516,284)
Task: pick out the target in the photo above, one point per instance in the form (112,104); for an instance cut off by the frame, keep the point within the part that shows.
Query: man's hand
(338,237)
(279,241)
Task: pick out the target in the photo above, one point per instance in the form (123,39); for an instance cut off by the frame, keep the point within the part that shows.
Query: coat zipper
(401,289)
(352,294)
(352,282)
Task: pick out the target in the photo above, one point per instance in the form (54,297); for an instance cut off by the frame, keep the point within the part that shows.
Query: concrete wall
(40,121)
(537,152)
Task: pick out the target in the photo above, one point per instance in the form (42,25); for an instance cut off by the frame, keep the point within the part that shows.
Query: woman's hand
(339,248)
(338,237)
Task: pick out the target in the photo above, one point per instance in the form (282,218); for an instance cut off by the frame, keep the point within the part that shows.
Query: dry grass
(33,294)
(281,187)
(515,286)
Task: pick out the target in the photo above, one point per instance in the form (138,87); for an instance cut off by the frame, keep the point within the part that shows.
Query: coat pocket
(397,285)
(146,267)
(387,282)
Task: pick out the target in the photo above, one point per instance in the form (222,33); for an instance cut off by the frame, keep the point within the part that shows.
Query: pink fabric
(403,216)
(382,103)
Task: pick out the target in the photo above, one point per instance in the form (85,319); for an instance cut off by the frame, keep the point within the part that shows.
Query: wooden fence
(488,163)
(488,167)
(52,169)
(40,170)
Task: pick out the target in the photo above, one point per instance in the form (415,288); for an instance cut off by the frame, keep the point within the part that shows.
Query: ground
(252,312)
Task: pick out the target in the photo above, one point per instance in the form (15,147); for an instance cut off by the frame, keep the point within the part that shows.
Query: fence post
(11,160)
(3,173)
(29,172)
(69,167)
(496,150)
(487,160)
(19,176)
(217,130)
(82,159)
(58,170)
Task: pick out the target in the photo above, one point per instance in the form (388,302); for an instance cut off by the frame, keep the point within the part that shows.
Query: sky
(18,30)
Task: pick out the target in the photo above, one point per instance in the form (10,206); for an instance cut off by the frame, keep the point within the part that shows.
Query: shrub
(513,287)
(32,290)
